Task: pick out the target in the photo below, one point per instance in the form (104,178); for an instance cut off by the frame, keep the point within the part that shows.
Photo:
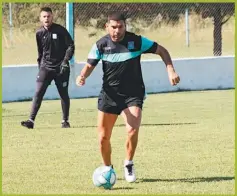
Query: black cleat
(65,124)
(28,124)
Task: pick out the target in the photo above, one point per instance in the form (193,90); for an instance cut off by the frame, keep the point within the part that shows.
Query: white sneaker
(129,172)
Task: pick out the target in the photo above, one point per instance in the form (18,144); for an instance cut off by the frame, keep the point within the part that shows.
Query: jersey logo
(107,48)
(64,84)
(54,36)
(131,45)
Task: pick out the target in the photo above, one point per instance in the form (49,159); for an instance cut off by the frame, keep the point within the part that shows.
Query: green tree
(221,13)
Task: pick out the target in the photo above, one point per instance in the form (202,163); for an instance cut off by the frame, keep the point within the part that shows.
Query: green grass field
(186,146)
(23,48)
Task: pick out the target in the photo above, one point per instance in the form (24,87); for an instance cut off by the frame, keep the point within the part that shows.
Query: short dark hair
(46,9)
(116,16)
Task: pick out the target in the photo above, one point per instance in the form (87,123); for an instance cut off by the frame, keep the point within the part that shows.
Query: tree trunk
(217,34)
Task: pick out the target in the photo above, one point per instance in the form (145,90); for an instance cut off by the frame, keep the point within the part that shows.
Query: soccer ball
(104,176)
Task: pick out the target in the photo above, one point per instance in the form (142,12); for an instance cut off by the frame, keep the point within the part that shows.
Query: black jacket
(55,45)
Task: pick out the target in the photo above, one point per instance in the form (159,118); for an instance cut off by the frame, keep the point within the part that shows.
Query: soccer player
(55,49)
(123,88)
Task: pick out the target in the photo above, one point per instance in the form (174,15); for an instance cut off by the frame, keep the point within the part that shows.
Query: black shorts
(46,75)
(115,104)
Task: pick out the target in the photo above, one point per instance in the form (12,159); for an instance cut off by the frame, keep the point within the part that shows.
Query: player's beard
(119,37)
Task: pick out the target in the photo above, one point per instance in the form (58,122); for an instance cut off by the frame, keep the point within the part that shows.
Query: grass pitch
(186,146)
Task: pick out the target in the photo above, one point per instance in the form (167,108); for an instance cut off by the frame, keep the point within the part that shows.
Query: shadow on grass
(119,125)
(189,180)
(122,188)
(142,125)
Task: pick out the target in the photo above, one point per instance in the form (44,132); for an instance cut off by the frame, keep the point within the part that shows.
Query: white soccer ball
(104,176)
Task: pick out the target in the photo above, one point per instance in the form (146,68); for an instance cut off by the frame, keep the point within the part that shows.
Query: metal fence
(185,29)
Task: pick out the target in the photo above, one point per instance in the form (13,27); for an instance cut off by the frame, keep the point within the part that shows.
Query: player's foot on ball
(28,124)
(129,172)
(65,124)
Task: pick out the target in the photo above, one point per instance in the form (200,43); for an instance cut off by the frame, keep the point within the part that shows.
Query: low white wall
(18,82)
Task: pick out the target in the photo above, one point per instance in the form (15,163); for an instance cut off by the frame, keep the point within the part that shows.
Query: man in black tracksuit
(55,49)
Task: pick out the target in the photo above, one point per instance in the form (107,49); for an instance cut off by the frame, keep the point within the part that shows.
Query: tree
(221,13)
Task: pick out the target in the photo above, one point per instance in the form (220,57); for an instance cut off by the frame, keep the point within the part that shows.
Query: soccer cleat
(28,124)
(65,124)
(129,172)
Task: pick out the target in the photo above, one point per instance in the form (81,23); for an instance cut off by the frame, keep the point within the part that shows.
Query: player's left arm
(164,54)
(149,46)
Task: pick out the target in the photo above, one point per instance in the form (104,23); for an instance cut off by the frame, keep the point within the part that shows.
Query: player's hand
(173,77)
(81,80)
(64,67)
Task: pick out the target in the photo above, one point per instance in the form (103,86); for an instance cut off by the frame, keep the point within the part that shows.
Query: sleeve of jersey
(94,56)
(148,46)
(70,46)
(40,49)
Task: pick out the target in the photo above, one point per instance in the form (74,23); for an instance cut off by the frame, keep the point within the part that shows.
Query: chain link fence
(185,29)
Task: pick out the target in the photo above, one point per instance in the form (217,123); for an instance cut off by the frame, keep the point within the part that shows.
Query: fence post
(187,27)
(69,22)
(70,28)
(10,23)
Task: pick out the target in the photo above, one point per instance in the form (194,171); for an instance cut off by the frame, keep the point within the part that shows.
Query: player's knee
(133,133)
(132,130)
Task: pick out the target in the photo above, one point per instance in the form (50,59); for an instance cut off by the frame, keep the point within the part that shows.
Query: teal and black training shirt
(121,62)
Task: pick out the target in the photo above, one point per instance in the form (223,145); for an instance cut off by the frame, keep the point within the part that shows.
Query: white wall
(18,82)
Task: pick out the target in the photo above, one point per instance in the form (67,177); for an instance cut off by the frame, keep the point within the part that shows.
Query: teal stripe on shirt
(146,44)
(94,53)
(120,57)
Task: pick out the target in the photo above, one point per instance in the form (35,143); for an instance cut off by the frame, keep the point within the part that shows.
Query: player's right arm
(85,72)
(40,48)
(93,59)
